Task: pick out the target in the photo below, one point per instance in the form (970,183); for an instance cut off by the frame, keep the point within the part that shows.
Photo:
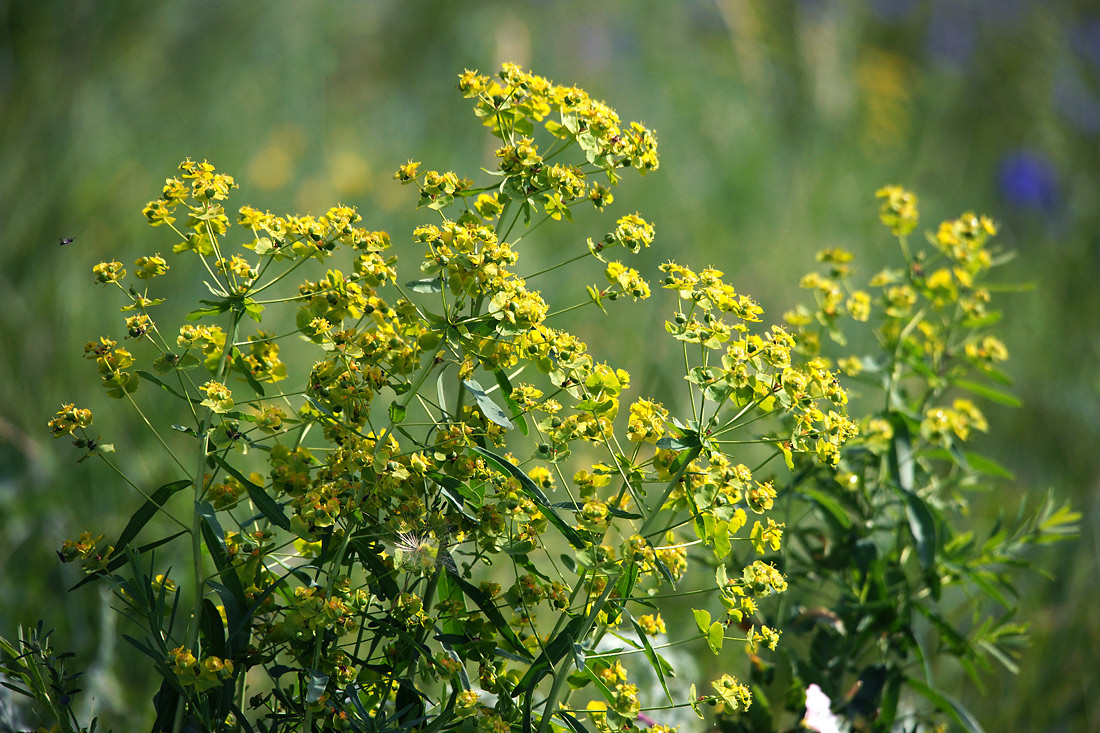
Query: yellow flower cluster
(898,210)
(86,548)
(940,423)
(112,364)
(211,672)
(517,95)
(68,419)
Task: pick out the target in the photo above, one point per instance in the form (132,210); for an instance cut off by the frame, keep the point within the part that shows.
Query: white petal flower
(818,716)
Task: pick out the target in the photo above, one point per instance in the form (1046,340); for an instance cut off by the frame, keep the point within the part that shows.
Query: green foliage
(364,535)
(31,668)
(886,567)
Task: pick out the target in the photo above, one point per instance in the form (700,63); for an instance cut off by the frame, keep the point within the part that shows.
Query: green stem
(598,605)
(425,371)
(196,520)
(563,263)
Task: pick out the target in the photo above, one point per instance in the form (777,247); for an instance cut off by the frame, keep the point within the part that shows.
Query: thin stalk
(563,263)
(154,431)
(141,491)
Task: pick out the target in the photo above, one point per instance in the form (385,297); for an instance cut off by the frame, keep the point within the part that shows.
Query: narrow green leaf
(506,392)
(485,603)
(990,393)
(233,600)
(441,392)
(947,704)
(601,686)
(213,634)
(263,501)
(535,493)
(625,584)
(572,722)
(142,516)
(449,591)
(491,410)
(986,465)
(901,454)
(657,662)
(831,506)
(922,525)
(246,371)
(150,378)
(426,286)
(214,538)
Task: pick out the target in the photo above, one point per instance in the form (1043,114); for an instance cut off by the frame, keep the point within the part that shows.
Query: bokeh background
(777,121)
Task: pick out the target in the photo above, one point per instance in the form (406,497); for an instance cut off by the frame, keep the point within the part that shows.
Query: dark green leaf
(551,654)
(232,601)
(506,392)
(573,723)
(214,538)
(318,681)
(684,442)
(213,634)
(146,512)
(485,603)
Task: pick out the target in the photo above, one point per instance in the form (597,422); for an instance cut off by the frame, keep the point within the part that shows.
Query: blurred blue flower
(1028,180)
(951,33)
(893,11)
(1084,38)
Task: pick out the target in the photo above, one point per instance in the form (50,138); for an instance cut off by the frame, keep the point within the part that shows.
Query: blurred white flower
(818,716)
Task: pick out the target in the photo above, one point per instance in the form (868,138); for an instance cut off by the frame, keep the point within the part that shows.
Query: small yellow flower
(652,624)
(218,397)
(150,267)
(109,272)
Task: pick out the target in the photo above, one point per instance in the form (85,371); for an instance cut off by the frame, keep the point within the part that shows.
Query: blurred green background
(777,121)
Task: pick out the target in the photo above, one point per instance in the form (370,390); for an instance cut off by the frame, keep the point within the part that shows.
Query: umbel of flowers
(434,525)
